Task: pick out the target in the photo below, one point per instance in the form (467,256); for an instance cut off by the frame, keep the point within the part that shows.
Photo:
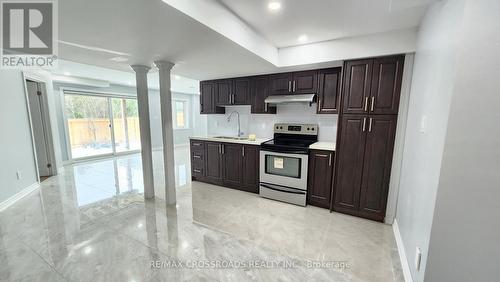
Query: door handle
(294,86)
(365,107)
(289,86)
(364,124)
(330,160)
(373,102)
(370,126)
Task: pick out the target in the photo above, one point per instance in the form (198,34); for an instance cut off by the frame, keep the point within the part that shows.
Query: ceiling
(93,32)
(323,20)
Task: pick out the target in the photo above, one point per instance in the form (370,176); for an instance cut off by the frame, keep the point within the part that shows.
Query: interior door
(357,85)
(37,112)
(89,125)
(377,165)
(386,85)
(350,162)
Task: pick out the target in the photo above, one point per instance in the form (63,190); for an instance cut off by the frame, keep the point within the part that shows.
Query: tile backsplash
(262,124)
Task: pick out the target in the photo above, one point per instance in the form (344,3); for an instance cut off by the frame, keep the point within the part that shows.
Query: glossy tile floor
(91,223)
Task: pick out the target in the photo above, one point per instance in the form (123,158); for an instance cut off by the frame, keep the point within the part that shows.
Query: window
(180,114)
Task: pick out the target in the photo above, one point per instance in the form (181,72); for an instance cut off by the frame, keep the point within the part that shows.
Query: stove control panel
(296,128)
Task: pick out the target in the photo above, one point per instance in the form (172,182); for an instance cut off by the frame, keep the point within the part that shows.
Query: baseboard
(21,194)
(402,253)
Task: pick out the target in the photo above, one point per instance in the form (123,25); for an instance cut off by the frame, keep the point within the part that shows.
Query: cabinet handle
(289,86)
(196,144)
(294,86)
(330,160)
(366,104)
(364,124)
(265,107)
(370,126)
(196,157)
(373,102)
(319,105)
(197,170)
(243,151)
(222,148)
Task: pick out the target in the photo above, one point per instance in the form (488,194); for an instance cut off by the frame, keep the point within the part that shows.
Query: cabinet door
(241,91)
(232,164)
(260,91)
(329,91)
(250,178)
(386,85)
(357,83)
(305,82)
(320,178)
(213,164)
(224,88)
(207,91)
(280,84)
(377,165)
(350,163)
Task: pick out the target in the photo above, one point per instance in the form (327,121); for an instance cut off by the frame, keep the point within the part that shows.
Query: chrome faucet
(238,115)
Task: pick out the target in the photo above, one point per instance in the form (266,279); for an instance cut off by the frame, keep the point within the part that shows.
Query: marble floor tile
(91,223)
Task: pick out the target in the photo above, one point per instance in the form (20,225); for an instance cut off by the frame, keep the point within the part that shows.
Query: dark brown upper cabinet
(373,85)
(224,91)
(329,90)
(241,91)
(280,84)
(208,103)
(303,82)
(357,86)
(259,92)
(320,178)
(364,165)
(386,85)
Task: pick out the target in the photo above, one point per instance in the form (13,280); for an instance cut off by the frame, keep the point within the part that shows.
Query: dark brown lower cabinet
(364,165)
(227,164)
(320,178)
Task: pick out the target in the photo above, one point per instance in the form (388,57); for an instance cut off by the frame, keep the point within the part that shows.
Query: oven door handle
(300,152)
(280,190)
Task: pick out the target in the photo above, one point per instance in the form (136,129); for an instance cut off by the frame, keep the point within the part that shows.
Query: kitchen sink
(232,137)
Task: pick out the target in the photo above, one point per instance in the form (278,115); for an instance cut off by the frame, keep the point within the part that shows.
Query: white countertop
(213,138)
(328,146)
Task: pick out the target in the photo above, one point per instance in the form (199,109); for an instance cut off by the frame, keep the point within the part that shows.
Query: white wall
(16,150)
(431,91)
(464,244)
(262,124)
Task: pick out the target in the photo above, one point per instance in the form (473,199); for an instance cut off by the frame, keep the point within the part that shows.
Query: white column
(144,125)
(167,129)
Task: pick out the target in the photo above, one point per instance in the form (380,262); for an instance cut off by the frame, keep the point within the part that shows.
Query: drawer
(197,171)
(197,156)
(197,145)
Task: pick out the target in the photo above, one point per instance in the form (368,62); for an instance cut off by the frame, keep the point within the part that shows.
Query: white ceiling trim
(215,16)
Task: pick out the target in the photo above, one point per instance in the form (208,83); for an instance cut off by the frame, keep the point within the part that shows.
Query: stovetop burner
(292,138)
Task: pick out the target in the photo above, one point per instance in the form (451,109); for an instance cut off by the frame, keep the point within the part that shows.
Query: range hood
(282,99)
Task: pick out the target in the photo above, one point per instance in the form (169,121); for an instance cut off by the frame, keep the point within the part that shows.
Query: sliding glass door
(101,125)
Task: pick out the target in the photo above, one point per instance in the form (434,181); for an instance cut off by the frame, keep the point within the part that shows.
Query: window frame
(186,114)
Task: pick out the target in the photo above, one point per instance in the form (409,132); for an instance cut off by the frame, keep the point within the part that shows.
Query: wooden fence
(85,132)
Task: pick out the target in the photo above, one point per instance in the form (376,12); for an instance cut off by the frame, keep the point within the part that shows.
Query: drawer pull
(197,170)
(197,157)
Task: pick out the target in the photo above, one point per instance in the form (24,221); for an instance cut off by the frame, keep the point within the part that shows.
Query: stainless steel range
(284,161)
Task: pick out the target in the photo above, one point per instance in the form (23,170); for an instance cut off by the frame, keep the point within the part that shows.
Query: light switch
(18,174)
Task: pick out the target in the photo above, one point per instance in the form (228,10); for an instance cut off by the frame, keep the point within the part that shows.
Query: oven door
(284,169)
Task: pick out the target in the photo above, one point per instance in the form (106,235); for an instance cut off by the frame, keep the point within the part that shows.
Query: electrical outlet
(418,258)
(18,174)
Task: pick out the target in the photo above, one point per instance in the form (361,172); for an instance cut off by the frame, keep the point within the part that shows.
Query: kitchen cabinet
(304,82)
(373,85)
(329,90)
(208,103)
(280,84)
(231,165)
(259,92)
(213,163)
(364,164)
(224,91)
(386,85)
(241,91)
(357,86)
(320,178)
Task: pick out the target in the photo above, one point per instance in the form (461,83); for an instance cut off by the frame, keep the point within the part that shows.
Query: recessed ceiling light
(177,77)
(303,38)
(119,59)
(274,5)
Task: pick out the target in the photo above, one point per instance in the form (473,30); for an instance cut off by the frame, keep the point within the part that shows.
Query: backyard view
(100,125)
